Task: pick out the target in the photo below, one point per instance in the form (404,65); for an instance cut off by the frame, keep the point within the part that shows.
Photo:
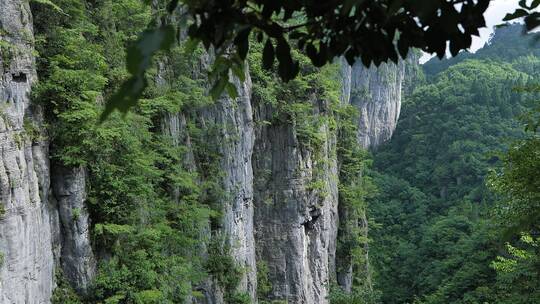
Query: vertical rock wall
(295,224)
(234,141)
(76,255)
(27,266)
(269,176)
(376,93)
(237,139)
(38,232)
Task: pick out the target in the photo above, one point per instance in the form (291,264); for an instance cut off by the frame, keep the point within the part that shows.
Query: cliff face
(376,93)
(235,139)
(233,142)
(44,225)
(69,195)
(27,267)
(295,222)
(280,211)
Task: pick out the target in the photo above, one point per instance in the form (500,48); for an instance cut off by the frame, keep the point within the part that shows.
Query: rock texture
(376,93)
(233,120)
(237,140)
(76,255)
(27,268)
(295,223)
(273,213)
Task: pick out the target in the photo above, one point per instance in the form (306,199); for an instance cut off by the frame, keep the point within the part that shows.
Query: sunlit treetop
(373,32)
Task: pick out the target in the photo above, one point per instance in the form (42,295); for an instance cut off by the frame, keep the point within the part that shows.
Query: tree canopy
(456,210)
(370,31)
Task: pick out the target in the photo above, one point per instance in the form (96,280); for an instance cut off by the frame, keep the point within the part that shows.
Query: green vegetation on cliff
(155,198)
(146,238)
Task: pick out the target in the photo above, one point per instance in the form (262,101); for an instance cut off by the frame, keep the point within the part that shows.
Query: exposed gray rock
(295,224)
(237,139)
(344,265)
(233,119)
(376,93)
(27,271)
(76,258)
(293,227)
(414,74)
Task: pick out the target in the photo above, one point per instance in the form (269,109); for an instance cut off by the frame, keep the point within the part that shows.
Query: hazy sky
(494,15)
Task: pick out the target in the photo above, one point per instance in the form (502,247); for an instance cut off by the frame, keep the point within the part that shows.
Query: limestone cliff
(234,139)
(295,222)
(281,203)
(42,228)
(27,264)
(69,199)
(376,93)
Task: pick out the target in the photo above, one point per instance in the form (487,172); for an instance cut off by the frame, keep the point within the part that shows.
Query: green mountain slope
(435,238)
(506,44)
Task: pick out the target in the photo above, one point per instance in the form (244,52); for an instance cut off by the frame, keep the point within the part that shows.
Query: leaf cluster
(370,31)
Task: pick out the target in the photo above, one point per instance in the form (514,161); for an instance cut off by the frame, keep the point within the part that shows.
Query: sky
(494,15)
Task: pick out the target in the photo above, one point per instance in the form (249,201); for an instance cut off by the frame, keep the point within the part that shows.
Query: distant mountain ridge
(505,44)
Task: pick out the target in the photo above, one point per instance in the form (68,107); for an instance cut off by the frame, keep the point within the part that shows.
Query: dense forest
(454,220)
(260,190)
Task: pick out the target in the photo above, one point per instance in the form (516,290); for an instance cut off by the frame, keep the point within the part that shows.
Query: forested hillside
(506,44)
(440,220)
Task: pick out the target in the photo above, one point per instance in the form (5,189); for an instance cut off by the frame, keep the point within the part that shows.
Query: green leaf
(518,13)
(268,55)
(283,51)
(172,6)
(532,21)
(126,97)
(140,54)
(403,46)
(231,90)
(218,88)
(242,42)
(318,58)
(286,69)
